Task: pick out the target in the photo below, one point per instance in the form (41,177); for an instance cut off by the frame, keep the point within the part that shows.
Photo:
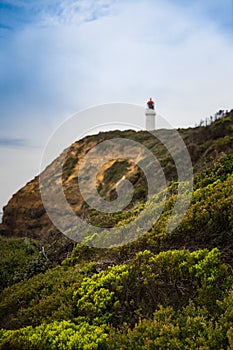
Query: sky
(60,57)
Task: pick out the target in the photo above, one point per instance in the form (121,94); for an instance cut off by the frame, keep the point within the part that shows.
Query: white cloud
(138,49)
(144,50)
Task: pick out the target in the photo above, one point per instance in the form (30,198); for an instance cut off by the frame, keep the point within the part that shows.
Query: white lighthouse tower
(150,115)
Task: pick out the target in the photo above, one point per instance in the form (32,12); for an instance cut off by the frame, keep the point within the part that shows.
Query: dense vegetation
(20,260)
(161,291)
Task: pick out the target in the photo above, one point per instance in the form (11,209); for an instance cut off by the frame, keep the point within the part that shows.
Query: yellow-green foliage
(63,335)
(127,292)
(190,328)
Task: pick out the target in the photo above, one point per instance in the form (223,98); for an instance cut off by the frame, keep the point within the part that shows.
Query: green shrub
(43,298)
(20,259)
(189,329)
(127,292)
(63,335)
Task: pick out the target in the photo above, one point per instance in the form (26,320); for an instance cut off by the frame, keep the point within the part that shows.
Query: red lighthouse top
(151,104)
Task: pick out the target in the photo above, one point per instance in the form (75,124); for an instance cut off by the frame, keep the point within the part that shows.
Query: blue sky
(59,57)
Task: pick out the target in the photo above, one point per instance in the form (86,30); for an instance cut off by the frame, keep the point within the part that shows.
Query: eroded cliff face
(25,215)
(24,212)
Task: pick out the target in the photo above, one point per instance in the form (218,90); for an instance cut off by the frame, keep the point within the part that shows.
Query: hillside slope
(24,215)
(163,290)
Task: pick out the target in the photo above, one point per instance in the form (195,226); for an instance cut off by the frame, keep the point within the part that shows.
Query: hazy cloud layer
(80,53)
(7,142)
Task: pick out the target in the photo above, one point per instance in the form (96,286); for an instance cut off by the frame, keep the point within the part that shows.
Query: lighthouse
(150,115)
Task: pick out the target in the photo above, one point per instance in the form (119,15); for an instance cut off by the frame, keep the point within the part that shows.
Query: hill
(160,291)
(25,216)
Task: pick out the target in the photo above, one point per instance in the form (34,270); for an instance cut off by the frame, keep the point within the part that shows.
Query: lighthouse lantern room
(150,115)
